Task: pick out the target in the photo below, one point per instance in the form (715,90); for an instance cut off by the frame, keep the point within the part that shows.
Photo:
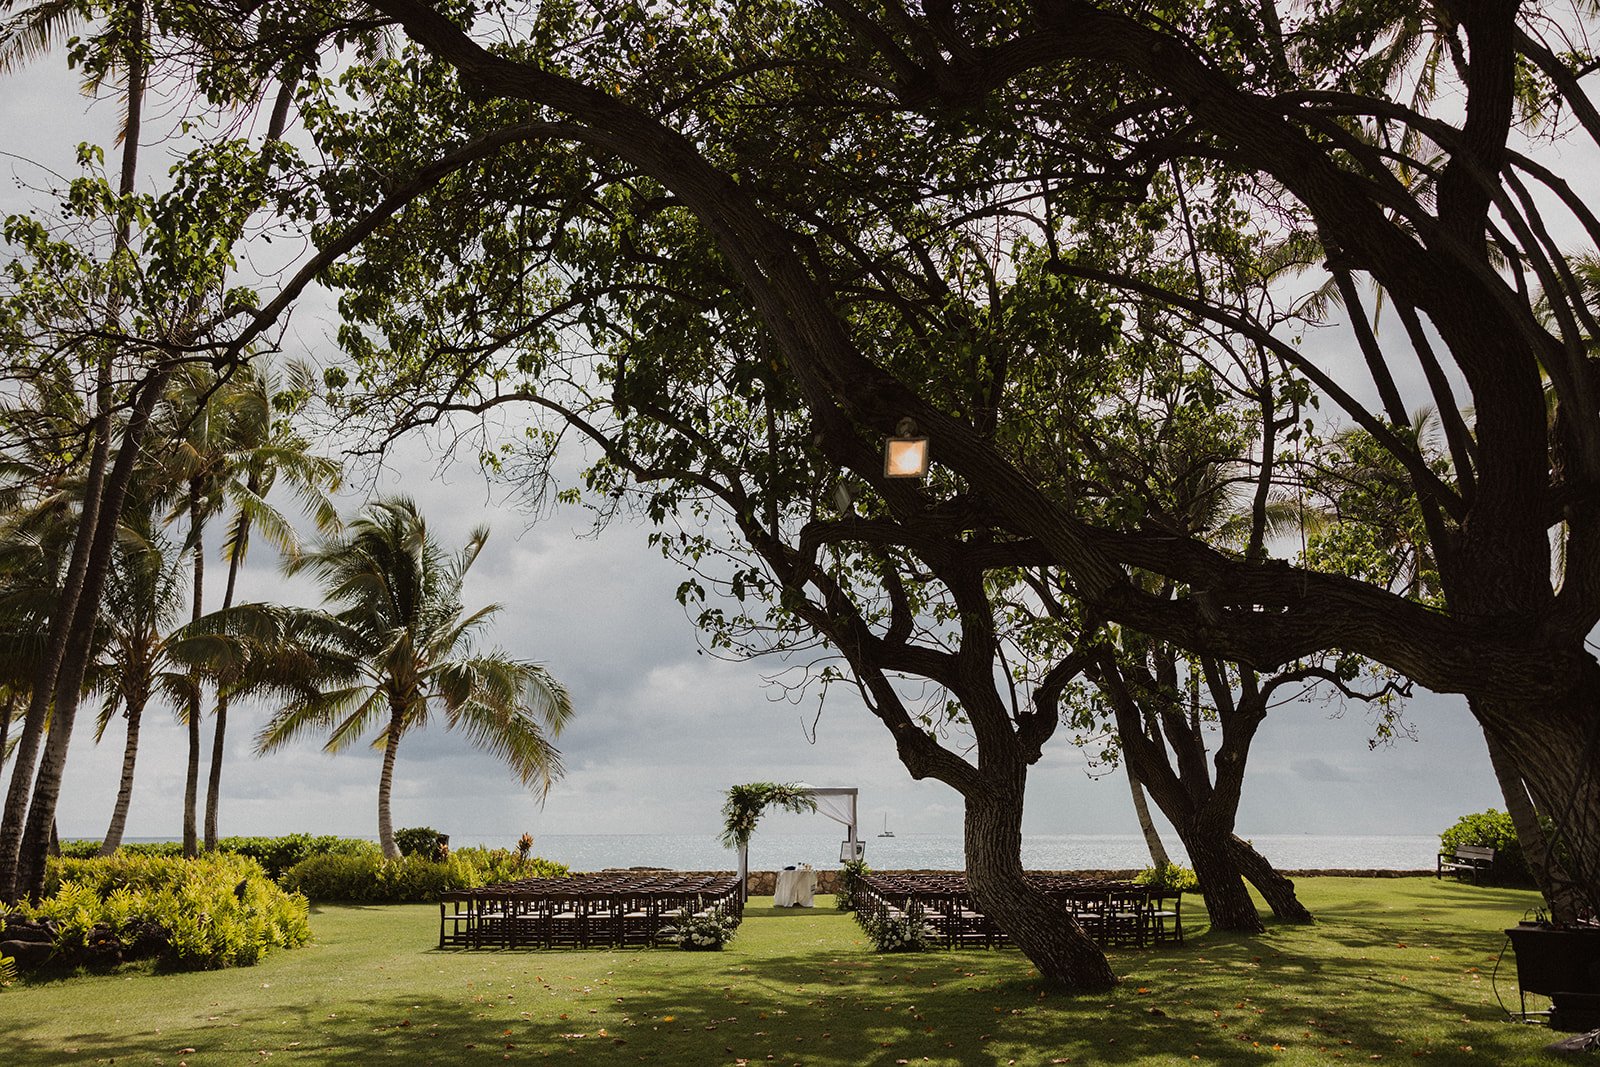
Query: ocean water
(943,852)
(1045,852)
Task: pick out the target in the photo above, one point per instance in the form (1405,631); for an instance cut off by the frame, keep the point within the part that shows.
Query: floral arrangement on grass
(699,933)
(908,933)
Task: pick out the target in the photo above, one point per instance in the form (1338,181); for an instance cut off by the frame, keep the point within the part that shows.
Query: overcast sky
(661,730)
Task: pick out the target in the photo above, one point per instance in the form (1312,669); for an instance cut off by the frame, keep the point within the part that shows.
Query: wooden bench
(1472,861)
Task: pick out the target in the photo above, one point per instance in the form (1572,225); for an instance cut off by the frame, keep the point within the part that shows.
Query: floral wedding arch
(747,803)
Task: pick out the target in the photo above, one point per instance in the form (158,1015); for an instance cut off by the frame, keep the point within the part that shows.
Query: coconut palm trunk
(220,722)
(191,787)
(14,819)
(391,746)
(1147,825)
(130,755)
(75,660)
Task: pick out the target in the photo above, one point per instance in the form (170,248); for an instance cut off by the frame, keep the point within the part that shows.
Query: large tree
(782,135)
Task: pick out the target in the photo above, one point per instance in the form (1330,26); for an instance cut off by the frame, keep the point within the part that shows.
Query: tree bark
(1275,888)
(1202,814)
(391,745)
(1548,872)
(214,778)
(1040,927)
(130,753)
(1554,748)
(1228,901)
(1147,825)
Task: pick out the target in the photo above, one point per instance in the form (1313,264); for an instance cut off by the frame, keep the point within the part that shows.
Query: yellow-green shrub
(214,911)
(411,879)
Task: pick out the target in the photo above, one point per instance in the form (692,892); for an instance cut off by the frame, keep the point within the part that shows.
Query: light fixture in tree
(905,455)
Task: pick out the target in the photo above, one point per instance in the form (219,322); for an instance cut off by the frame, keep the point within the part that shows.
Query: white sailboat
(886,831)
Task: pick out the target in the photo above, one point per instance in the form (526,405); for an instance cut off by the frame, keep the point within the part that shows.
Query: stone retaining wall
(761,883)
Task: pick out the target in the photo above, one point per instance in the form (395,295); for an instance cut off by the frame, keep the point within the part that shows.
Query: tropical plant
(263,450)
(142,611)
(217,911)
(1172,877)
(367,876)
(418,841)
(398,648)
(844,893)
(745,804)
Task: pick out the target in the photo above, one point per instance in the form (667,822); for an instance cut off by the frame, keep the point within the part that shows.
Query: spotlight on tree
(905,455)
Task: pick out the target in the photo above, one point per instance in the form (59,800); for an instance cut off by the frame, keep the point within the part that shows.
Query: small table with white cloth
(795,889)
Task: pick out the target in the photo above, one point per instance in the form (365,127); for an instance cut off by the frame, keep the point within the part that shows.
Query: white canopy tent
(837,803)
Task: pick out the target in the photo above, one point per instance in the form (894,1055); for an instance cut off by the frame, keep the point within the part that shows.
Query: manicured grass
(1395,969)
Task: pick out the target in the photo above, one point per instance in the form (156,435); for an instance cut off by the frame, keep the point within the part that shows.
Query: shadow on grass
(781,994)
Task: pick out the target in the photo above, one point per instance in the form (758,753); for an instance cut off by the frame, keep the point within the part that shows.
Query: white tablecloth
(795,888)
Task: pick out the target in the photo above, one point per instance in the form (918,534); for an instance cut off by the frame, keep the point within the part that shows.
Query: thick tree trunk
(1228,901)
(391,745)
(1555,748)
(1041,928)
(130,753)
(1147,825)
(1549,874)
(1275,888)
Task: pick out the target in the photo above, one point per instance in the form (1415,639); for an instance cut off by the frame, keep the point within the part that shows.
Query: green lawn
(1394,970)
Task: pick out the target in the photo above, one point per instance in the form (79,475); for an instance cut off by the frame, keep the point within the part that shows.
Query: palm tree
(398,646)
(141,610)
(193,467)
(263,450)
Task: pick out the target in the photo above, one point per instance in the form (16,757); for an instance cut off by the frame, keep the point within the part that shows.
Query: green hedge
(275,854)
(215,911)
(411,879)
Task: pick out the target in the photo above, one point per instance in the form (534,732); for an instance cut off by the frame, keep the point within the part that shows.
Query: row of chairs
(1114,914)
(583,911)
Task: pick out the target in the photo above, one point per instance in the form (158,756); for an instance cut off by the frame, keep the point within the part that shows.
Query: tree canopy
(1089,249)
